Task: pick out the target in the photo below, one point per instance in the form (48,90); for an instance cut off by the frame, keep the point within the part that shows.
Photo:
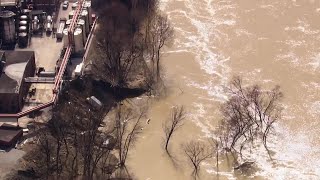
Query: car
(35,24)
(74,5)
(49,24)
(65,5)
(49,27)
(49,19)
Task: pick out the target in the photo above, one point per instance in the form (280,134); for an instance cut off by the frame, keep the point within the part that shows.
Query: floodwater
(265,42)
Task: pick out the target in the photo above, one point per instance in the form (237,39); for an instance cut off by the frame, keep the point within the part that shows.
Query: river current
(265,42)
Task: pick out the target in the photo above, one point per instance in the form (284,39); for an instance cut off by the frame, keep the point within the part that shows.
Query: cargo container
(61,27)
(78,70)
(93,101)
(47,74)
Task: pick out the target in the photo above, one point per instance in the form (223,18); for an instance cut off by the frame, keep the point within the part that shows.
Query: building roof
(8,2)
(12,73)
(8,133)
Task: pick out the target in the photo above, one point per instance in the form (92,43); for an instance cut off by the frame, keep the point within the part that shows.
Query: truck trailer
(61,27)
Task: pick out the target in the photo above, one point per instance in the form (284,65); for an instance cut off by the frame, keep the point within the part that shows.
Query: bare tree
(58,128)
(47,148)
(175,121)
(161,33)
(248,115)
(130,34)
(78,144)
(127,130)
(196,153)
(118,55)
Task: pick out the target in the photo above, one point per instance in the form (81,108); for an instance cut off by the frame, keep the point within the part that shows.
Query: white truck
(78,70)
(61,27)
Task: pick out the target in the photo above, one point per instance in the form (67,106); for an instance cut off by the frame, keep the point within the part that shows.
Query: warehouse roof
(12,73)
(9,133)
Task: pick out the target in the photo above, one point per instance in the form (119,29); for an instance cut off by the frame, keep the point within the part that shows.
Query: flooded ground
(266,42)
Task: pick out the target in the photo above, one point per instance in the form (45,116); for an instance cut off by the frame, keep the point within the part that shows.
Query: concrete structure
(13,89)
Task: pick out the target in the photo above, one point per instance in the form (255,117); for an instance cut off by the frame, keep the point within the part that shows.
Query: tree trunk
(167,141)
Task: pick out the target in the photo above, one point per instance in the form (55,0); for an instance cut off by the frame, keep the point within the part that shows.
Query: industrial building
(49,6)
(15,5)
(11,5)
(14,81)
(15,66)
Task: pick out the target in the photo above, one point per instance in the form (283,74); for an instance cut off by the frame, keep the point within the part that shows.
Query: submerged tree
(128,127)
(173,124)
(248,116)
(196,152)
(161,33)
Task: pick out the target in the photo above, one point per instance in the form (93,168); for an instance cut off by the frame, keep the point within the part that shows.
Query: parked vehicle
(49,19)
(60,29)
(35,24)
(49,27)
(93,101)
(65,5)
(74,5)
(49,24)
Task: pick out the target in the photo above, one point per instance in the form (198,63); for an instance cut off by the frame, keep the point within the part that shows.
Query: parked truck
(96,103)
(61,27)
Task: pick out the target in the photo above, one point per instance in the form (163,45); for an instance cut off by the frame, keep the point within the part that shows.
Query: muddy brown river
(266,42)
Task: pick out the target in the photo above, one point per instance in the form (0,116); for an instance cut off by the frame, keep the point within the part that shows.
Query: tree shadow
(174,160)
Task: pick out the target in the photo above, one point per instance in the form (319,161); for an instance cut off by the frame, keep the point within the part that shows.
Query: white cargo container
(78,70)
(78,41)
(61,27)
(93,101)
